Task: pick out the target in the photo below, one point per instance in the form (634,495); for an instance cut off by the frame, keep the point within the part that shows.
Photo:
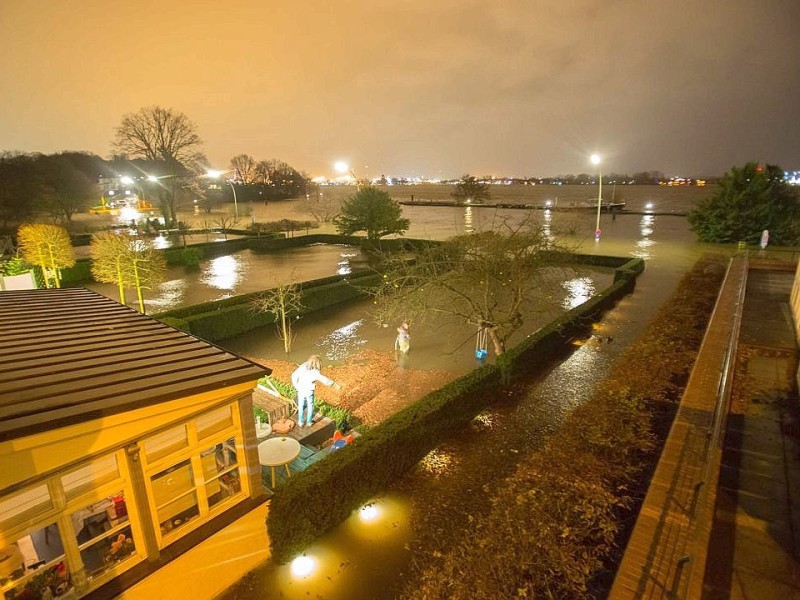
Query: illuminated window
(103,534)
(166,443)
(90,476)
(221,472)
(214,422)
(36,565)
(175,496)
(24,506)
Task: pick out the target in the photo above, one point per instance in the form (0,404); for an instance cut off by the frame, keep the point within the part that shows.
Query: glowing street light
(214,174)
(341,167)
(595,158)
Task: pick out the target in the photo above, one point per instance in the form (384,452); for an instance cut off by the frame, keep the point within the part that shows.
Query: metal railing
(698,523)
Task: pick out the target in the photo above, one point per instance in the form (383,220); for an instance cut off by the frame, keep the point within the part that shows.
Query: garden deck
(308,456)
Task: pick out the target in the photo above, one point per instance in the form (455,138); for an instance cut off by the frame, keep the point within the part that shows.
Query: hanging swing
(480,344)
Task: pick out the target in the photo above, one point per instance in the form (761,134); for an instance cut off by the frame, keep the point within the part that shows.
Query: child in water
(403,341)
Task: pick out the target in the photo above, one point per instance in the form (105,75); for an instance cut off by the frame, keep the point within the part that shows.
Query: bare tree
(244,168)
(323,207)
(109,265)
(48,247)
(283,301)
(129,262)
(169,140)
(492,280)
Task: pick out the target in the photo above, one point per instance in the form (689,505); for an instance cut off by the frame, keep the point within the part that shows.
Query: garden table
(277,451)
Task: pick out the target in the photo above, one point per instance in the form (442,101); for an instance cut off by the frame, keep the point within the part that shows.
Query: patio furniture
(277,451)
(274,404)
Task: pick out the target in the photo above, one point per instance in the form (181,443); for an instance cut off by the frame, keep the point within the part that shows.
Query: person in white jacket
(304,379)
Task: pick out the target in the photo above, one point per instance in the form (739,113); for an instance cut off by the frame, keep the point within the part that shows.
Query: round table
(277,451)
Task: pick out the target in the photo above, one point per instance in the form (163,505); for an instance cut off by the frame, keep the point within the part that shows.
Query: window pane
(216,420)
(91,475)
(174,495)
(219,458)
(34,565)
(107,551)
(165,443)
(224,487)
(22,506)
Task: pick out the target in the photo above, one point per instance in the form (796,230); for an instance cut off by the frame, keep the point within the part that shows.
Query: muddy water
(431,508)
(242,272)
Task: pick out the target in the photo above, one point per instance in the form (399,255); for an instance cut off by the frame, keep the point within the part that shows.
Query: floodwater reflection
(343,342)
(579,290)
(644,244)
(222,272)
(361,554)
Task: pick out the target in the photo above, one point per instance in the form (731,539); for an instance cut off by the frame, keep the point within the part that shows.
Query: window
(103,534)
(193,470)
(83,510)
(175,496)
(214,421)
(24,506)
(36,566)
(221,472)
(166,443)
(90,476)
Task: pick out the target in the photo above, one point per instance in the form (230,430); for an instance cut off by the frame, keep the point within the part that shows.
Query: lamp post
(595,158)
(215,175)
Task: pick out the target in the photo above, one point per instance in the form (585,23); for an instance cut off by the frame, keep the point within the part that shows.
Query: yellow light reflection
(579,290)
(222,272)
(303,566)
(437,462)
(468,223)
(369,513)
(341,342)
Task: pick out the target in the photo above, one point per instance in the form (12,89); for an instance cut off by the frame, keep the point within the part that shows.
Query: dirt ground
(374,387)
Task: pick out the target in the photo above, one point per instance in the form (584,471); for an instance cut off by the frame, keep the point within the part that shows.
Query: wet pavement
(754,551)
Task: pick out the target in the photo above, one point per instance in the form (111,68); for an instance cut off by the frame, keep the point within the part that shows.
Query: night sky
(434,88)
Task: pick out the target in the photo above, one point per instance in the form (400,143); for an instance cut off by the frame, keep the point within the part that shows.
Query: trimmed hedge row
(305,507)
(300,512)
(81,271)
(224,319)
(217,305)
(551,340)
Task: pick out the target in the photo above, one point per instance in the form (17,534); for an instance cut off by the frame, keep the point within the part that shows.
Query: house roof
(71,355)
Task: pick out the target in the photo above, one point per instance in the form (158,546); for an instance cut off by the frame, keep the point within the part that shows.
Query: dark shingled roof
(71,355)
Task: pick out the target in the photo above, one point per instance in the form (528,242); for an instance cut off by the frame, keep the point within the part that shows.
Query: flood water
(241,272)
(379,548)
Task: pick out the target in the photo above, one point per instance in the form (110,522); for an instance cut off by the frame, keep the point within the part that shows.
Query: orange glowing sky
(433,87)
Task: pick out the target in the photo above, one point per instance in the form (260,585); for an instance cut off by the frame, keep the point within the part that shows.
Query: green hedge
(214,321)
(555,338)
(82,271)
(300,512)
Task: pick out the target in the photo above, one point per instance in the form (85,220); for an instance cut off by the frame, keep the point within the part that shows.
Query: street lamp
(595,158)
(216,175)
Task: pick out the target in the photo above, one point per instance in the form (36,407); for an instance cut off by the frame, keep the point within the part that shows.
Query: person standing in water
(403,341)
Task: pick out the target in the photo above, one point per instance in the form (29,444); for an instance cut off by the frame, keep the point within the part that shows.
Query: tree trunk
(497,344)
